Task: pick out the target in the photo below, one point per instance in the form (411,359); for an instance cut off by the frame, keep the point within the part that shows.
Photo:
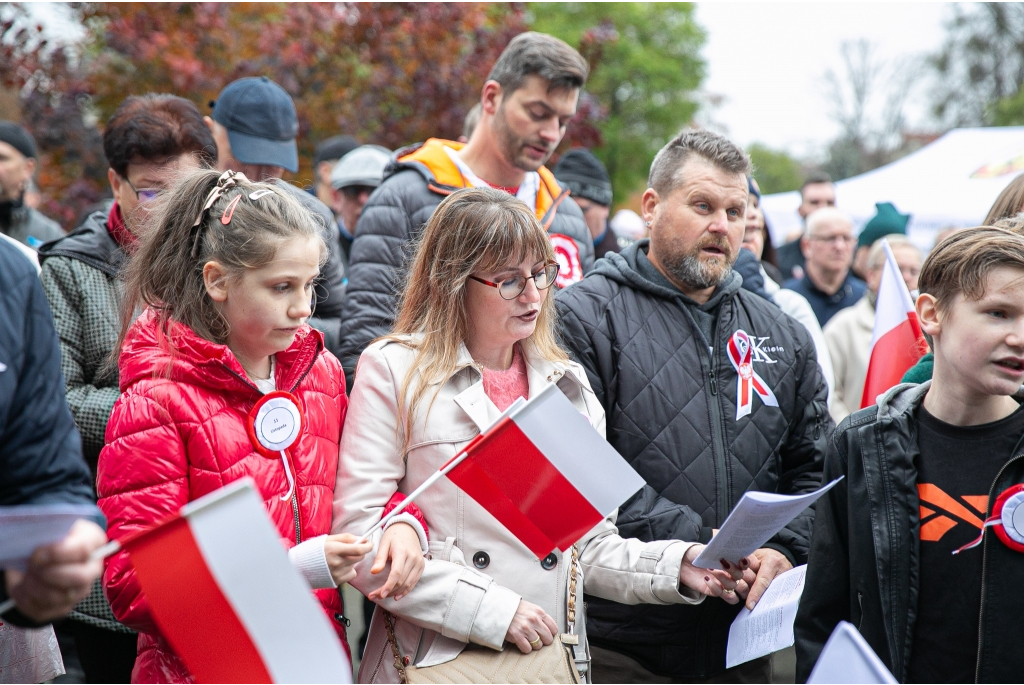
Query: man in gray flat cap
(353,179)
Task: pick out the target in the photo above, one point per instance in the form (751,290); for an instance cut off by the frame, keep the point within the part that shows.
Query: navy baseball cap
(261,122)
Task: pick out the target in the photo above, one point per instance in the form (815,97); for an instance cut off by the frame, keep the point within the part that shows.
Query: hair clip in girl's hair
(226,180)
(230,210)
(260,193)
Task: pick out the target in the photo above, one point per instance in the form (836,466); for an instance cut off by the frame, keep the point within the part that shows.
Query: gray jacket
(27,225)
(80,279)
(385,239)
(660,367)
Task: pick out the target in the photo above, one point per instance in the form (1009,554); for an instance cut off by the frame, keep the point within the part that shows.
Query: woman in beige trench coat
(475,330)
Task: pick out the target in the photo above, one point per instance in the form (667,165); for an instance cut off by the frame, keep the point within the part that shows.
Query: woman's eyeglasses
(511,288)
(143,195)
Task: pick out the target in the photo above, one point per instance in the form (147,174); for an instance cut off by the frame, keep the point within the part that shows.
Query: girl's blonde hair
(473,230)
(165,272)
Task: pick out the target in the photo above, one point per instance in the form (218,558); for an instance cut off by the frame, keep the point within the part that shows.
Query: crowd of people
(411,296)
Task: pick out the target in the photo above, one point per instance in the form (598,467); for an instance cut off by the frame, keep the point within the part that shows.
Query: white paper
(756,519)
(23,528)
(847,658)
(769,627)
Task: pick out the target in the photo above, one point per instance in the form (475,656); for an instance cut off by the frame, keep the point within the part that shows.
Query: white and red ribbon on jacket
(741,354)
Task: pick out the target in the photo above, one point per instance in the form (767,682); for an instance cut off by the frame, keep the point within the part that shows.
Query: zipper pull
(817,423)
(713,382)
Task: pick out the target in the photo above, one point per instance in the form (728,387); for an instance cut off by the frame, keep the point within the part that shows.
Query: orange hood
(445,177)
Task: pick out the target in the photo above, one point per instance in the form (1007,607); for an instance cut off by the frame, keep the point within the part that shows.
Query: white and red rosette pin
(748,382)
(274,425)
(1007,520)
(567,254)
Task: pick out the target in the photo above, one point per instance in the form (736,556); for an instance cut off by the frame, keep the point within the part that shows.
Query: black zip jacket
(671,413)
(864,559)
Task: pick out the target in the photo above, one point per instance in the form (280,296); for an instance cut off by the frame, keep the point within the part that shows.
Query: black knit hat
(334,148)
(18,138)
(584,175)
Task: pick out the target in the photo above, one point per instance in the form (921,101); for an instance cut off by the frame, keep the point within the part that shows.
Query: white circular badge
(1012,517)
(277,423)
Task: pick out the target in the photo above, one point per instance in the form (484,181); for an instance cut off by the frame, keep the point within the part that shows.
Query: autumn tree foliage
(387,73)
(53,96)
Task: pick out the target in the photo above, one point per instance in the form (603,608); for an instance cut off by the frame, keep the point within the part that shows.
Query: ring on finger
(537,644)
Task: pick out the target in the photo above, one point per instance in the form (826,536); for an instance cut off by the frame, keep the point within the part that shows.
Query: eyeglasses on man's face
(513,287)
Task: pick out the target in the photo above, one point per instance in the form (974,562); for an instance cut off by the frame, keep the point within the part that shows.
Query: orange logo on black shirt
(935,524)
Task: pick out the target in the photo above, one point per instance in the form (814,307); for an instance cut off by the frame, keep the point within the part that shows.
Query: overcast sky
(768,61)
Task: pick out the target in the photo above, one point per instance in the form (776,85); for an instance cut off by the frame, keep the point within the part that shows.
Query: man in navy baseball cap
(254,125)
(259,123)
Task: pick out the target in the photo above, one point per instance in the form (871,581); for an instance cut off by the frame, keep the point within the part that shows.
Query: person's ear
(215,280)
(209,123)
(490,97)
(323,172)
(649,206)
(30,168)
(116,183)
(805,244)
(928,315)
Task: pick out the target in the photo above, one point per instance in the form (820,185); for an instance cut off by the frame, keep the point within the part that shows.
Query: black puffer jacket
(865,552)
(672,409)
(416,181)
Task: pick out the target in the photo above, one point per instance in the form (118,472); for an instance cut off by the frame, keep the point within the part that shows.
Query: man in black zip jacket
(899,549)
(709,390)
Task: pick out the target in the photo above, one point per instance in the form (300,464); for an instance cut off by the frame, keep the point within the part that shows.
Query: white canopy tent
(951,182)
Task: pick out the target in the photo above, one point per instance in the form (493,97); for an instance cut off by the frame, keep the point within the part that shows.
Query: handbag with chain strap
(552,663)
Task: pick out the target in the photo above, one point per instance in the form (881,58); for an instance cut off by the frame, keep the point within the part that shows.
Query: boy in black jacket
(911,546)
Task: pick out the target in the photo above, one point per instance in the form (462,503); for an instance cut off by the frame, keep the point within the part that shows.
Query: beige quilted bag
(552,663)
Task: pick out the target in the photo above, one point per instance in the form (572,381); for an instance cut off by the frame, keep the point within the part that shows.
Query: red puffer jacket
(178,432)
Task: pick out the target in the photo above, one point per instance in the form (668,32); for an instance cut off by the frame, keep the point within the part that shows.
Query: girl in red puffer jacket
(225,280)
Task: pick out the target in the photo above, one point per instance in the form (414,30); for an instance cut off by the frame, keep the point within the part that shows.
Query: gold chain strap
(573,572)
(389,622)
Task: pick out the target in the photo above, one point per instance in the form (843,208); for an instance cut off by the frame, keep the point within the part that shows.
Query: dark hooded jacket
(865,552)
(40,451)
(416,181)
(672,414)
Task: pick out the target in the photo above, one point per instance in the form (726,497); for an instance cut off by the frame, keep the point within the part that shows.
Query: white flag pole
(437,475)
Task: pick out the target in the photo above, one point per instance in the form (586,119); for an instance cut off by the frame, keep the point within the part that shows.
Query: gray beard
(698,275)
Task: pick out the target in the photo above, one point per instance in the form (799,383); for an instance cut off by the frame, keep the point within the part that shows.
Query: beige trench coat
(476,572)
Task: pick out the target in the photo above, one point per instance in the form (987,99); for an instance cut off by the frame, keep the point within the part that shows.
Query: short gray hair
(717,150)
(538,54)
(824,215)
(876,257)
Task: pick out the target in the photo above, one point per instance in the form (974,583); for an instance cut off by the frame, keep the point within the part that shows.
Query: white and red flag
(897,342)
(545,473)
(231,605)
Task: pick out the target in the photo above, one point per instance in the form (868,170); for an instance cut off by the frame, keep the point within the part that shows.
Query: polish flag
(221,588)
(545,473)
(897,342)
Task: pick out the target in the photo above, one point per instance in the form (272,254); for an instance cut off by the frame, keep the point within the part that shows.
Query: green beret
(885,222)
